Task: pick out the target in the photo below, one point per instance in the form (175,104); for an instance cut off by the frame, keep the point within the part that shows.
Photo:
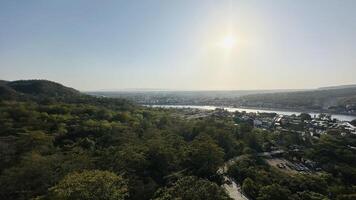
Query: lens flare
(228,42)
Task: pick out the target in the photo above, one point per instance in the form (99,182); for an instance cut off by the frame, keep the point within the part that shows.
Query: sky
(179,44)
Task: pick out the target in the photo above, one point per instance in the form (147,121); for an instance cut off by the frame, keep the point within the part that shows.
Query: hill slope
(35,88)
(44,92)
(342,100)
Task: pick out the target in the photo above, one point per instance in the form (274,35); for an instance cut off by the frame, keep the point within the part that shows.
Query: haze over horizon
(207,90)
(180,45)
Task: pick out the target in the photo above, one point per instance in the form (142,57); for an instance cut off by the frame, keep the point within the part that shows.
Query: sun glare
(227,42)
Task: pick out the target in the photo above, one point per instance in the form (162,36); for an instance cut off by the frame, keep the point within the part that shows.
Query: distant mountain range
(183,93)
(338,87)
(336,99)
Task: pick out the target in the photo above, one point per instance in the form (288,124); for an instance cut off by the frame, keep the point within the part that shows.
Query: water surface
(249,110)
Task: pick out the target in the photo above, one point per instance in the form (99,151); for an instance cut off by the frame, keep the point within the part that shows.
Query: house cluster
(314,126)
(193,113)
(258,120)
(319,125)
(351,108)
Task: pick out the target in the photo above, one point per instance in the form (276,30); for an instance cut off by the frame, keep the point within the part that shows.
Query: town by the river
(339,117)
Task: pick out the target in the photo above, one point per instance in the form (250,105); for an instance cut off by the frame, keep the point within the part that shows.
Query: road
(232,188)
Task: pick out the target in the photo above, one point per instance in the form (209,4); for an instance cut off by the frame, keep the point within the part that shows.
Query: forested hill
(47,92)
(58,144)
(334,99)
(84,147)
(35,88)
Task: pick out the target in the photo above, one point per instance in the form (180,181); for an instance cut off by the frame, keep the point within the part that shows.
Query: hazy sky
(176,44)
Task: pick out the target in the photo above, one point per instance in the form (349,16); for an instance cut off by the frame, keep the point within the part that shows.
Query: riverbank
(298,110)
(340,117)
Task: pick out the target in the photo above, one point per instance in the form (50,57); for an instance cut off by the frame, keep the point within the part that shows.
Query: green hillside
(35,88)
(79,147)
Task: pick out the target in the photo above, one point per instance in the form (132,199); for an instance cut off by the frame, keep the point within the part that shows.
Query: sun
(228,42)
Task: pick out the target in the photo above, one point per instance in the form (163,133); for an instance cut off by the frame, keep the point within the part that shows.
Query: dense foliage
(353,122)
(84,147)
(192,188)
(333,154)
(97,148)
(90,185)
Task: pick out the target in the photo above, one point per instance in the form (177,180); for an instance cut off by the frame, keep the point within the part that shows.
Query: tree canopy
(90,185)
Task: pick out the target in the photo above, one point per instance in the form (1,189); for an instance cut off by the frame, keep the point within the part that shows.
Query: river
(249,110)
